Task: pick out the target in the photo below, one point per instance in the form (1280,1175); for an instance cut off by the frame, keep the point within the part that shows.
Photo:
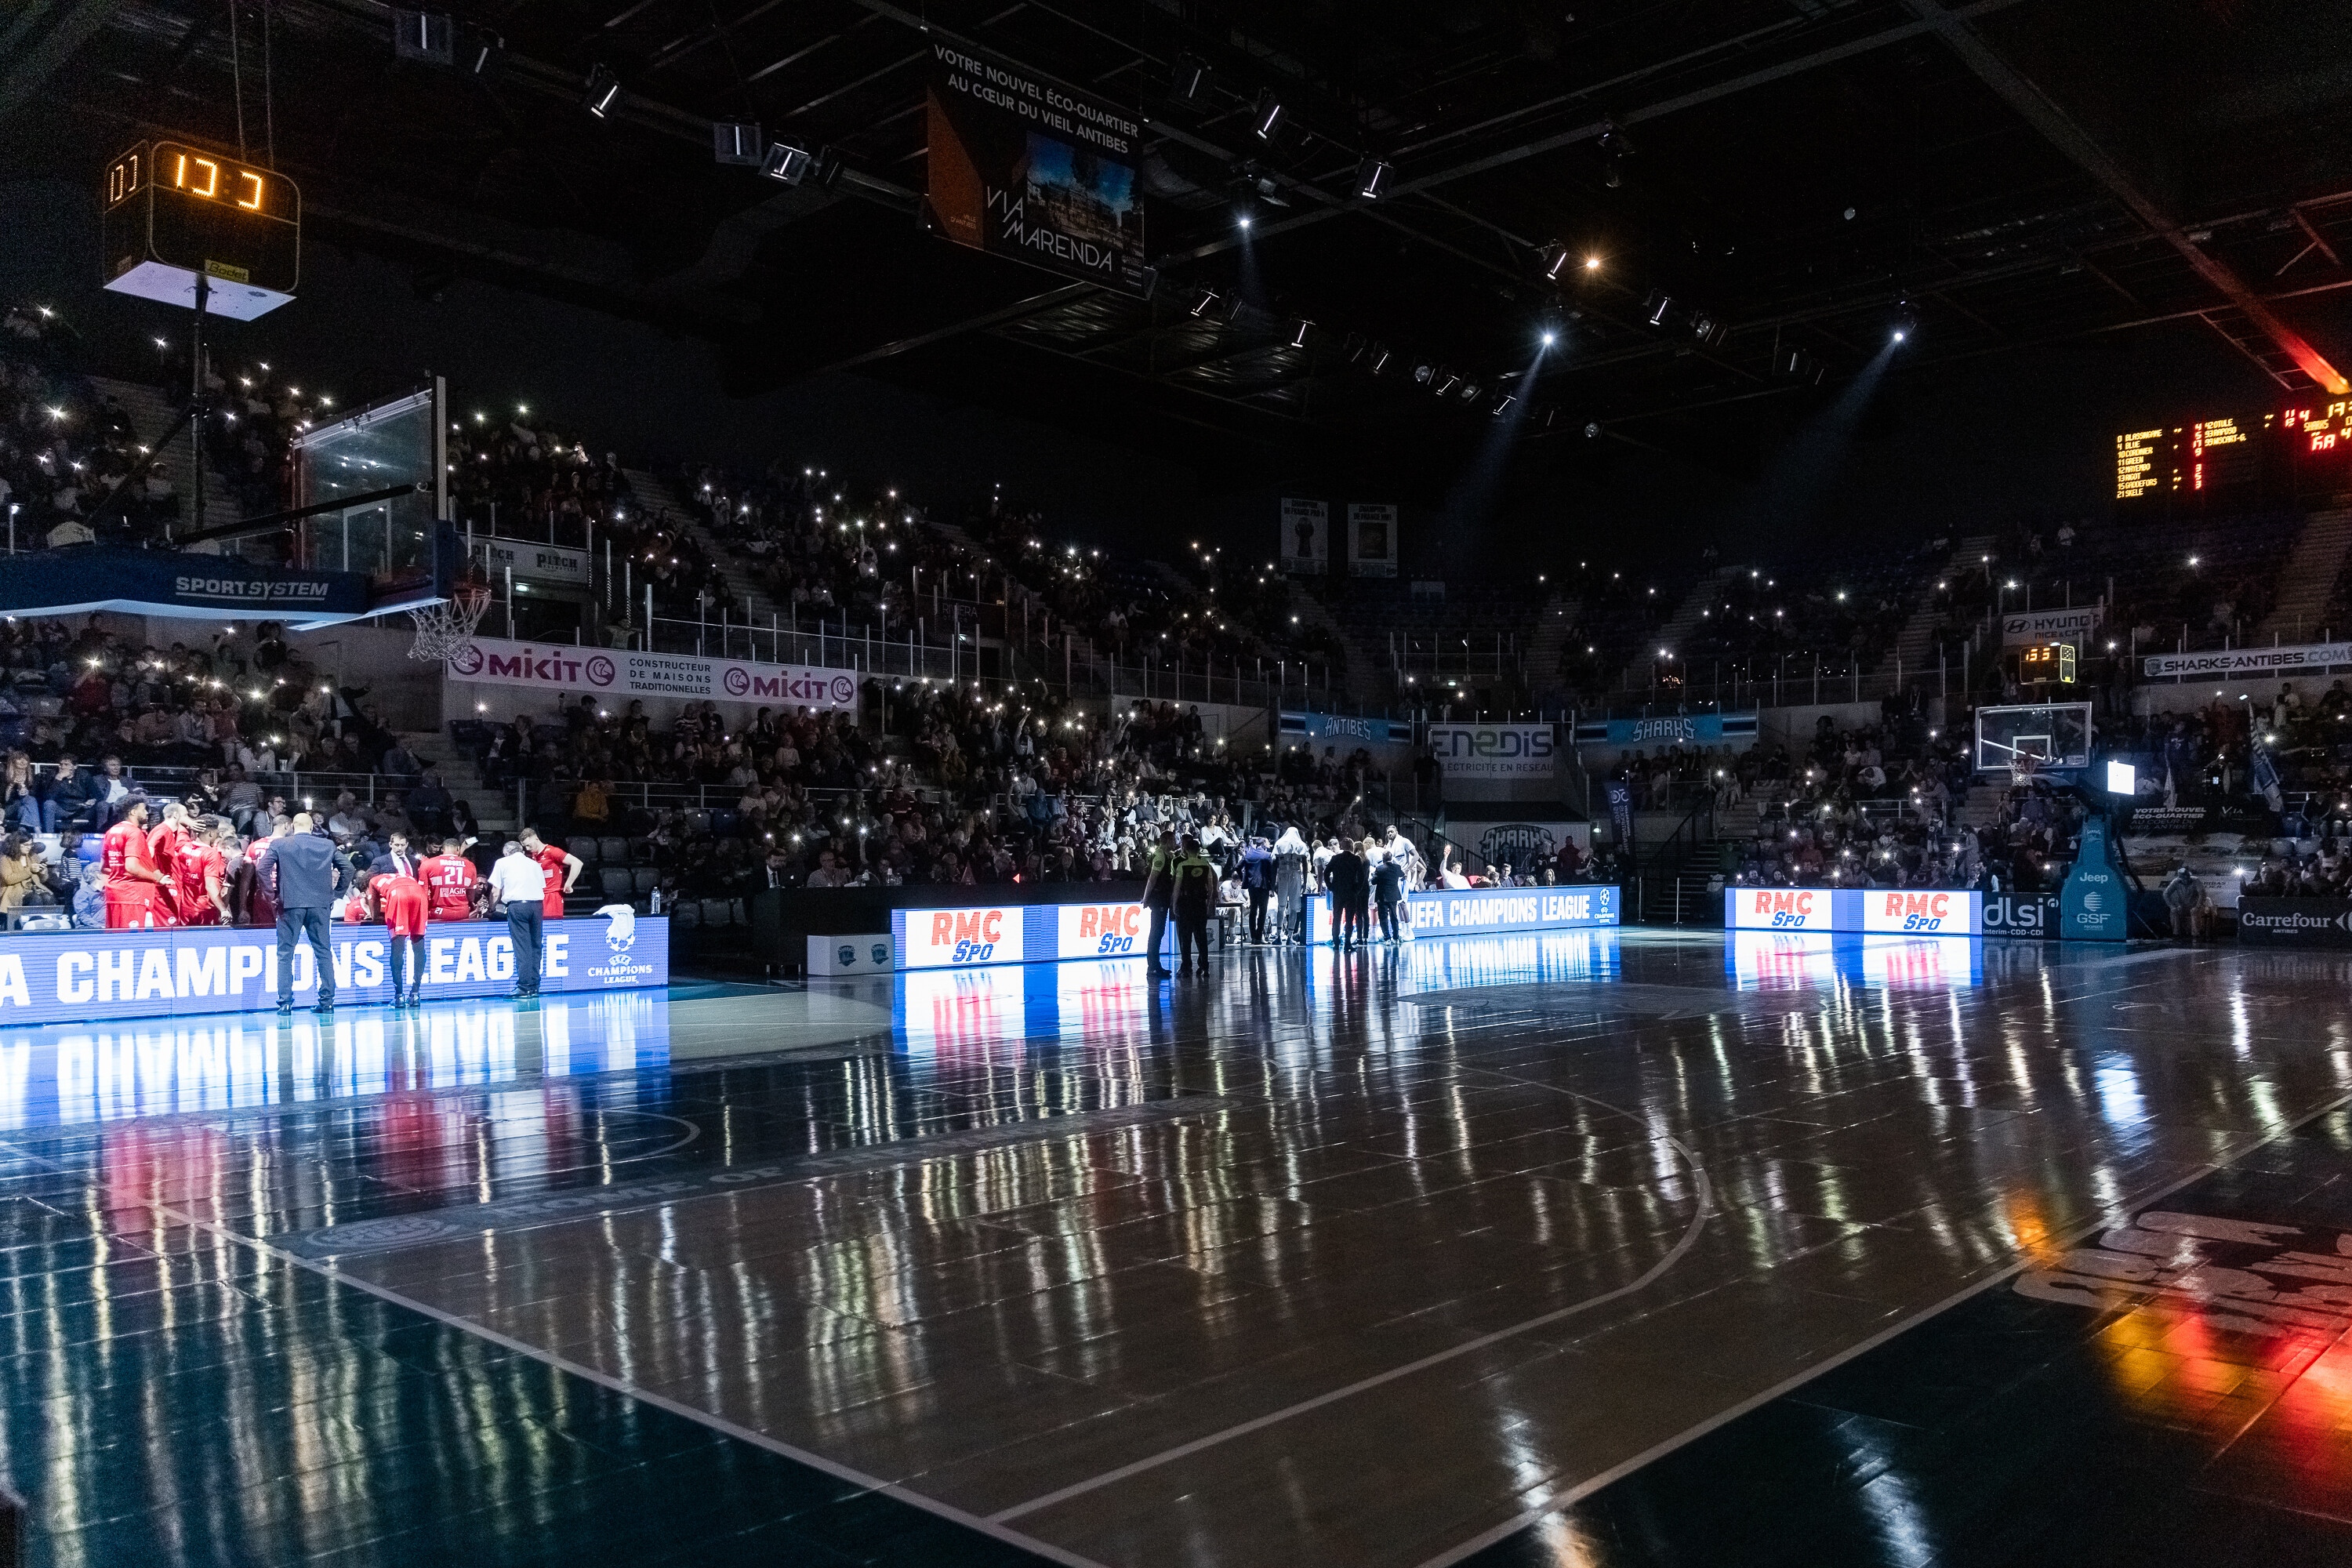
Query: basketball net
(443,628)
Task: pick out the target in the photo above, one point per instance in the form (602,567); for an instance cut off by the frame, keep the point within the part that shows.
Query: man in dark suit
(305,875)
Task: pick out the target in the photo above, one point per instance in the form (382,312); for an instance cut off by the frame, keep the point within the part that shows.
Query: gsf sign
(1494,750)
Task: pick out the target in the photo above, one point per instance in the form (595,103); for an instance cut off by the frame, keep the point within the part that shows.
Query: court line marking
(1703,1207)
(1568,1496)
(987,1527)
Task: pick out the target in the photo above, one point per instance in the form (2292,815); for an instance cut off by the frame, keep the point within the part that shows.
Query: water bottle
(657,905)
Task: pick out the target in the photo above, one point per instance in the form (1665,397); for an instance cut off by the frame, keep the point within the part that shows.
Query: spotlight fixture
(1380,358)
(603,88)
(786,162)
(1900,334)
(1423,371)
(1147,281)
(1709,329)
(1191,80)
(1591,429)
(738,142)
(1502,406)
(1593,264)
(826,166)
(1657,308)
(1554,262)
(1242,221)
(1206,298)
(1298,332)
(1447,381)
(1470,391)
(488,46)
(1266,118)
(1549,337)
(1371,180)
(427,36)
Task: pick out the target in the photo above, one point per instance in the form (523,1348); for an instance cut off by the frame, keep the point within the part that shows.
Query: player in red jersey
(400,901)
(450,881)
(563,869)
(262,912)
(134,889)
(201,871)
(165,842)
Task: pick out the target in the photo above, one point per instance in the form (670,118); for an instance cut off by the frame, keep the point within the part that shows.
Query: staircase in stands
(151,410)
(1914,650)
(2307,581)
(1677,630)
(1548,645)
(655,495)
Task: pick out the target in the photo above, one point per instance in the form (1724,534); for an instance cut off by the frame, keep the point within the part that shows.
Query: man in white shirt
(517,882)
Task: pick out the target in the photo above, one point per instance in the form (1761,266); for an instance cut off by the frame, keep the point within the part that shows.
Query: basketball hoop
(443,628)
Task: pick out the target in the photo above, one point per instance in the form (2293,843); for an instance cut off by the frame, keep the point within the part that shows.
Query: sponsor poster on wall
(1495,752)
(624,674)
(2025,628)
(1023,166)
(1372,540)
(2294,658)
(1306,536)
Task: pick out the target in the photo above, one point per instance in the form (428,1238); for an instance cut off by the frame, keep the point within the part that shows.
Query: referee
(517,882)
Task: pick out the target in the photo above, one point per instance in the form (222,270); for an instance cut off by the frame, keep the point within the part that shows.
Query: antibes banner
(2294,658)
(560,669)
(1025,167)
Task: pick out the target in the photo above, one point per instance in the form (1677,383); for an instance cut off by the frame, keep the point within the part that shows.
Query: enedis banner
(622,673)
(1495,751)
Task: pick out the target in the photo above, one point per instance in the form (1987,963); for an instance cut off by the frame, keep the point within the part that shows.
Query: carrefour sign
(77,975)
(626,674)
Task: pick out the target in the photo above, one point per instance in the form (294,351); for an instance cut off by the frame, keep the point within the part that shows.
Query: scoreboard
(2282,451)
(172,213)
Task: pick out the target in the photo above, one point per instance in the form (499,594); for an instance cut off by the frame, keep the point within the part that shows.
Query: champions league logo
(621,931)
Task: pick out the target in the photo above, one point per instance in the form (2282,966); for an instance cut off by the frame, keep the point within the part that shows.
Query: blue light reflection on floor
(65,1074)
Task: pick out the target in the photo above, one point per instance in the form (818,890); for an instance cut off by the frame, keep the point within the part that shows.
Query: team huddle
(186,870)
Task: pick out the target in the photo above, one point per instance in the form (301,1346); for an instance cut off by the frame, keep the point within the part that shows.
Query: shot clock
(2046,662)
(174,213)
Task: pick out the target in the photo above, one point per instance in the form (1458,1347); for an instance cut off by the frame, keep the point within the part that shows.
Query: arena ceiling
(1804,177)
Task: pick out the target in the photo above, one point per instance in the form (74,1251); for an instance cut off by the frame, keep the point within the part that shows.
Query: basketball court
(1381,1259)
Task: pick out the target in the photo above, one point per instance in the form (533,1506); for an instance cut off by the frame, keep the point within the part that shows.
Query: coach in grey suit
(305,874)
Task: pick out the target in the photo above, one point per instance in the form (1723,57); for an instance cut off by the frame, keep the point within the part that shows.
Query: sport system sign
(66,976)
(1877,911)
(618,672)
(1024,167)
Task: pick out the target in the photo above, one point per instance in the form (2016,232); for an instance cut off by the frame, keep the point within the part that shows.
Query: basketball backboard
(2033,737)
(397,541)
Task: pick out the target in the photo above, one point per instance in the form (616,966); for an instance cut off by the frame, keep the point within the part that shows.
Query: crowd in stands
(65,447)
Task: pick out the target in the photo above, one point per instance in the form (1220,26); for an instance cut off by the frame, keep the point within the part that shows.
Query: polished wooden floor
(1586,1249)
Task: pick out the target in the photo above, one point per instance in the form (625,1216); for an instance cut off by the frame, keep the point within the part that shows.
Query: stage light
(1190,78)
(1207,297)
(1549,337)
(1380,361)
(1555,261)
(1299,330)
(603,88)
(1593,264)
(487,46)
(1900,334)
(1371,179)
(1266,118)
(827,165)
(1500,407)
(1470,391)
(1657,308)
(737,141)
(427,36)
(1422,373)
(1591,429)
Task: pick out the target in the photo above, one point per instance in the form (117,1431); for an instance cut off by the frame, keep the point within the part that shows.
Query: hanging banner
(1306,536)
(2296,658)
(1372,540)
(1495,751)
(622,673)
(2024,628)
(1024,167)
(1676,730)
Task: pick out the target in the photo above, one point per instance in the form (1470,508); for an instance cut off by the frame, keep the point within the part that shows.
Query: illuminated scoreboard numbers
(2138,463)
(171,208)
(2221,455)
